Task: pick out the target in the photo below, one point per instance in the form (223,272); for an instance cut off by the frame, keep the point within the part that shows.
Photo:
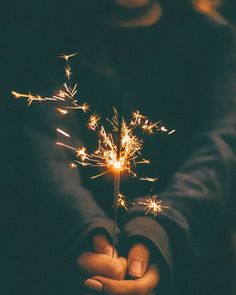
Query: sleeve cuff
(77,241)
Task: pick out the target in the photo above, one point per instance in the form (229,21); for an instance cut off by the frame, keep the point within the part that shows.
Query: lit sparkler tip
(117,165)
(153,206)
(66,57)
(63,132)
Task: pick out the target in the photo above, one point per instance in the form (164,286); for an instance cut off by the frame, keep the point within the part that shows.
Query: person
(177,64)
(174,61)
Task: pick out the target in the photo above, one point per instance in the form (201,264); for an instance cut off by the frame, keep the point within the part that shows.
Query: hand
(142,286)
(146,280)
(101,262)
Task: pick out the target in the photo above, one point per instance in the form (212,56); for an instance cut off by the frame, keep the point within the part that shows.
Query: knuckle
(119,271)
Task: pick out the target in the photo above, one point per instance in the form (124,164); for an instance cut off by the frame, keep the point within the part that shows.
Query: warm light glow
(119,148)
(117,165)
(153,206)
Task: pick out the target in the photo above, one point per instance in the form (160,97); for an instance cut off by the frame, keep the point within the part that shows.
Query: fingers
(138,260)
(142,286)
(103,246)
(103,265)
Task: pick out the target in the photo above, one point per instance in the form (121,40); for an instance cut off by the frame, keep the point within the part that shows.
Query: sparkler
(66,95)
(119,147)
(119,151)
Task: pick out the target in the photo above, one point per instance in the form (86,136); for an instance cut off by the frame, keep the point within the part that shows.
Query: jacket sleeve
(64,211)
(199,192)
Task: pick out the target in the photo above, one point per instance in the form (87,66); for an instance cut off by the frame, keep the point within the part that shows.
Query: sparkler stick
(115,204)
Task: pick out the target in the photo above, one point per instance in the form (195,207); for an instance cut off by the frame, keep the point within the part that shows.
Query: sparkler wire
(116,196)
(117,171)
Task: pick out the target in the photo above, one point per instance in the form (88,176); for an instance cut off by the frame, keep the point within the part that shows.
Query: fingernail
(136,268)
(92,284)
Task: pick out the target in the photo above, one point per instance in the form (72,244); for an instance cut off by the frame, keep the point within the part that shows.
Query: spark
(122,202)
(93,122)
(66,57)
(66,146)
(62,111)
(73,165)
(30,98)
(63,132)
(68,72)
(163,129)
(150,127)
(137,118)
(67,94)
(153,206)
(171,132)
(149,179)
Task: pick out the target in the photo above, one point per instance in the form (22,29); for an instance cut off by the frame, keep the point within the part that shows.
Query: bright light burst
(153,206)
(119,147)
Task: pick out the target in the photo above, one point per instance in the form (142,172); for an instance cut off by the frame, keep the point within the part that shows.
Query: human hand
(101,263)
(145,277)
(141,286)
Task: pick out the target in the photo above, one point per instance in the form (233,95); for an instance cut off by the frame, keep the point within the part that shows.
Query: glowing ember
(153,206)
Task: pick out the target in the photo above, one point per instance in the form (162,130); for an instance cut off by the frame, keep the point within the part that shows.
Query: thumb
(103,246)
(138,260)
